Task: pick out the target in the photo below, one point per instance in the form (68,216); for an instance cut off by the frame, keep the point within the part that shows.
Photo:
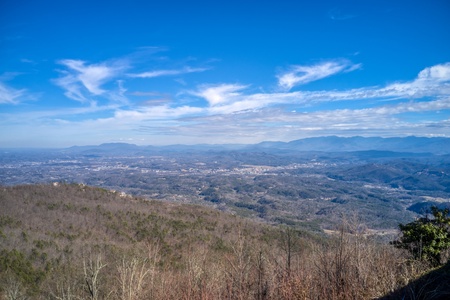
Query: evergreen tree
(427,238)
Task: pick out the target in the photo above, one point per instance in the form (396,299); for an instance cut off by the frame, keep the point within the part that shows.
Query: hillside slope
(71,241)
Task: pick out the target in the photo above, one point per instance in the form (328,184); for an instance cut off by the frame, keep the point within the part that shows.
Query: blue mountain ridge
(411,144)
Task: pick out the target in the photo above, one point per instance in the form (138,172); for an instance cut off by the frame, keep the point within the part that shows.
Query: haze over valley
(279,183)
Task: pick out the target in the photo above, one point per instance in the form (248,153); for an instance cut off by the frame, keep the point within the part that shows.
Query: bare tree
(64,282)
(132,273)
(153,259)
(92,268)
(65,289)
(137,275)
(13,289)
(289,243)
(239,267)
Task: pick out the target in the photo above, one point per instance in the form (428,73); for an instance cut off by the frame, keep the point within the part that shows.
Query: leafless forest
(71,241)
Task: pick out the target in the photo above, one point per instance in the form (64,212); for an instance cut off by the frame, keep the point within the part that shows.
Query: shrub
(427,238)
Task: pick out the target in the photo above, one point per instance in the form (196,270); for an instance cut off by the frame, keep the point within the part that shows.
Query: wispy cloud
(155,113)
(299,74)
(118,95)
(83,81)
(80,77)
(220,94)
(159,73)
(27,61)
(9,95)
(430,82)
(235,113)
(234,98)
(270,123)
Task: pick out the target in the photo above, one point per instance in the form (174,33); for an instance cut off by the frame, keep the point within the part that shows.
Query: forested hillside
(71,241)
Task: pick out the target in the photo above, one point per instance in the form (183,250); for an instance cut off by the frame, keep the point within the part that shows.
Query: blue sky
(168,72)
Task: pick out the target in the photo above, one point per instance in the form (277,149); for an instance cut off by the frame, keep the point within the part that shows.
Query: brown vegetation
(70,241)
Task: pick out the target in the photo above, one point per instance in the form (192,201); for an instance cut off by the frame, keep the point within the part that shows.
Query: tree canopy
(427,238)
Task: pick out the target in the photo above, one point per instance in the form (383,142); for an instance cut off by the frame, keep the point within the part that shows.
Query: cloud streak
(9,95)
(238,116)
(160,73)
(81,80)
(230,98)
(218,95)
(237,112)
(299,74)
(267,124)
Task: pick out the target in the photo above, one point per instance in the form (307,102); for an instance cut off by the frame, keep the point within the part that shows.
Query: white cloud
(82,81)
(220,94)
(159,73)
(432,81)
(91,76)
(9,95)
(72,86)
(270,123)
(298,75)
(231,98)
(236,114)
(81,77)
(437,73)
(155,113)
(118,95)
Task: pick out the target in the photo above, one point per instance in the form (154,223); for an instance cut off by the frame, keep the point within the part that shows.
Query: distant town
(307,188)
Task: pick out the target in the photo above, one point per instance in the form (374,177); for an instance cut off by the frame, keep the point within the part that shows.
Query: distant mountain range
(341,144)
(411,144)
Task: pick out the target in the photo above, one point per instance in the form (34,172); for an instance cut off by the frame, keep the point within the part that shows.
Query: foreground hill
(71,241)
